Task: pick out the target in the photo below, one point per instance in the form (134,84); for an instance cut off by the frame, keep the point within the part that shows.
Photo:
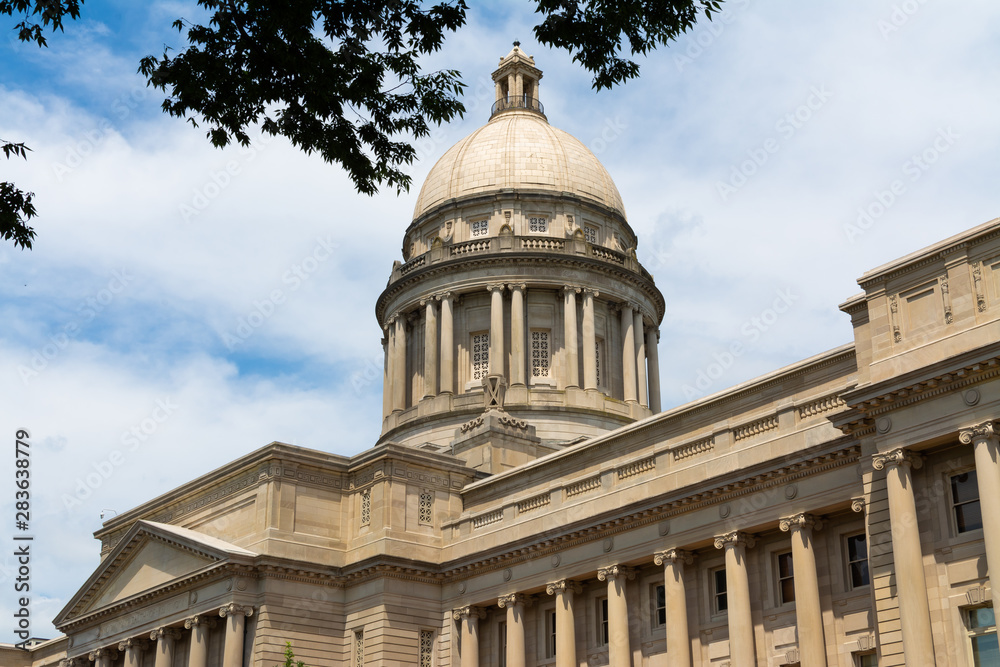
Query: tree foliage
(290,657)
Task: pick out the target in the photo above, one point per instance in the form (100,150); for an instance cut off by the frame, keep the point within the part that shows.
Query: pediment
(150,557)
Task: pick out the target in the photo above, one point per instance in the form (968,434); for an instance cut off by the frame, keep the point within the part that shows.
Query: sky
(776,153)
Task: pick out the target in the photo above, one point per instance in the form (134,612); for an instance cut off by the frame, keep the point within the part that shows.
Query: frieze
(143,616)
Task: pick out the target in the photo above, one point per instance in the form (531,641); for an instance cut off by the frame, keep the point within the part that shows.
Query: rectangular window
(538,224)
(658,597)
(359,648)
(426,647)
(865,660)
(426,511)
(720,602)
(786,579)
(590,233)
(857,560)
(480,228)
(502,631)
(480,355)
(602,621)
(539,354)
(982,626)
(965,502)
(550,634)
(366,507)
(600,358)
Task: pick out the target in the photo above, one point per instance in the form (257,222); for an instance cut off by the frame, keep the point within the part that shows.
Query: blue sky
(127,301)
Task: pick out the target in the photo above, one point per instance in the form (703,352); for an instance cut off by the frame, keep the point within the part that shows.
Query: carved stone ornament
(858,504)
(514,599)
(896,457)
(563,586)
(494,389)
(201,620)
(984,431)
(734,539)
(673,556)
(799,521)
(233,609)
(463,613)
(165,633)
(134,644)
(109,653)
(612,572)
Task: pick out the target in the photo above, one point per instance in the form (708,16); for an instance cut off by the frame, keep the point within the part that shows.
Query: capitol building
(528,502)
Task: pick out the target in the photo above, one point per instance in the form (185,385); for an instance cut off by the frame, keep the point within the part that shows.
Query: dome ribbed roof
(518,150)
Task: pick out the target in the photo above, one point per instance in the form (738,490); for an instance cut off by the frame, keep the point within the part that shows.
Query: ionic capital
(463,613)
(133,643)
(444,296)
(590,291)
(514,599)
(519,287)
(201,620)
(858,504)
(734,539)
(800,521)
(974,434)
(165,633)
(233,609)
(563,586)
(575,289)
(673,556)
(612,572)
(897,457)
(495,287)
(99,653)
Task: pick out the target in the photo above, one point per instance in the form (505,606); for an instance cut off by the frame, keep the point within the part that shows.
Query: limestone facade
(841,511)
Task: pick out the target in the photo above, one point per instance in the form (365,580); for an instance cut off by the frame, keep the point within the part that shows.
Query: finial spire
(517,42)
(517,82)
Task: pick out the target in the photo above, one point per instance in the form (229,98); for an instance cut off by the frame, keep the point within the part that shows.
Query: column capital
(444,296)
(590,291)
(575,289)
(799,521)
(107,652)
(468,612)
(520,287)
(858,504)
(429,299)
(133,642)
(896,457)
(612,572)
(200,620)
(495,287)
(165,633)
(988,430)
(734,539)
(233,609)
(562,586)
(514,599)
(673,556)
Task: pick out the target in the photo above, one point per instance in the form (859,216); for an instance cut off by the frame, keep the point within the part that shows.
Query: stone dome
(518,150)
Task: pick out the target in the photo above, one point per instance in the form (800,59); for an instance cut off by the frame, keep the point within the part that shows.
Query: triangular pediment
(150,556)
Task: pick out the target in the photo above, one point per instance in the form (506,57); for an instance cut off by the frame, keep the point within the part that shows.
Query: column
(447,344)
(985,438)
(589,340)
(741,645)
(430,347)
(468,620)
(399,363)
(104,657)
(564,591)
(570,336)
(911,585)
(496,328)
(386,377)
(517,350)
(653,357)
(198,651)
(628,352)
(515,604)
(619,653)
(235,615)
(640,358)
(808,613)
(133,648)
(165,638)
(678,640)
